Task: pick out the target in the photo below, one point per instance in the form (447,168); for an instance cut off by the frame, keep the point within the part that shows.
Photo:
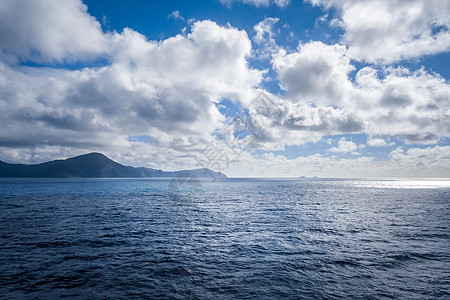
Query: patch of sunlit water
(402,183)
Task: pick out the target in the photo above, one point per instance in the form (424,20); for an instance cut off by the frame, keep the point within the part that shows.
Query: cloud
(211,59)
(388,31)
(344,146)
(391,102)
(273,122)
(377,142)
(282,3)
(258,3)
(414,162)
(176,15)
(49,31)
(167,90)
(425,160)
(315,73)
(436,153)
(264,37)
(399,103)
(383,101)
(264,30)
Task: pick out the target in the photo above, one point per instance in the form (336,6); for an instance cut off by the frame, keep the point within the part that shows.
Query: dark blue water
(233,239)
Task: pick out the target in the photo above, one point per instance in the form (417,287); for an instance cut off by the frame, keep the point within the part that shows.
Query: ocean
(228,239)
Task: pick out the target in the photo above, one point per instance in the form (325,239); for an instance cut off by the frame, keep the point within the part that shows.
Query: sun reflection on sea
(403,183)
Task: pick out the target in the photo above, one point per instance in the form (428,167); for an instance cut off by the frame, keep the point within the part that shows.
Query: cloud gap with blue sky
(356,88)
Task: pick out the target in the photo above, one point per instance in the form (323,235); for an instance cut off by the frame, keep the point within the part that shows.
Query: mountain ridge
(94,165)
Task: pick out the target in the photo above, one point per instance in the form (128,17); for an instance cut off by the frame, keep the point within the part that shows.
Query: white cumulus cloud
(315,73)
(167,90)
(386,101)
(344,146)
(377,142)
(50,30)
(384,31)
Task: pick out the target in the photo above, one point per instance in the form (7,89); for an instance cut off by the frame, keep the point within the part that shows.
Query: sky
(250,88)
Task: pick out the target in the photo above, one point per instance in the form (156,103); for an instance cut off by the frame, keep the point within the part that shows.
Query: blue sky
(256,88)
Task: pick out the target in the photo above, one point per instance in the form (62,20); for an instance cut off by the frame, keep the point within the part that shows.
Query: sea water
(227,239)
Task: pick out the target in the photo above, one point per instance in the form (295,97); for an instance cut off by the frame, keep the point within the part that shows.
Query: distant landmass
(94,165)
(308,178)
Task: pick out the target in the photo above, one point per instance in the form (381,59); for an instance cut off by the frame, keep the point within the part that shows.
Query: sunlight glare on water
(402,184)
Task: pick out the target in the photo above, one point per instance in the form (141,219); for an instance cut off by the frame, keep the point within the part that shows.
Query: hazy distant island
(94,165)
(308,178)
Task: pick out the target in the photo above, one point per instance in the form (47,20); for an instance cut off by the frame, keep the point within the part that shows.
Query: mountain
(94,165)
